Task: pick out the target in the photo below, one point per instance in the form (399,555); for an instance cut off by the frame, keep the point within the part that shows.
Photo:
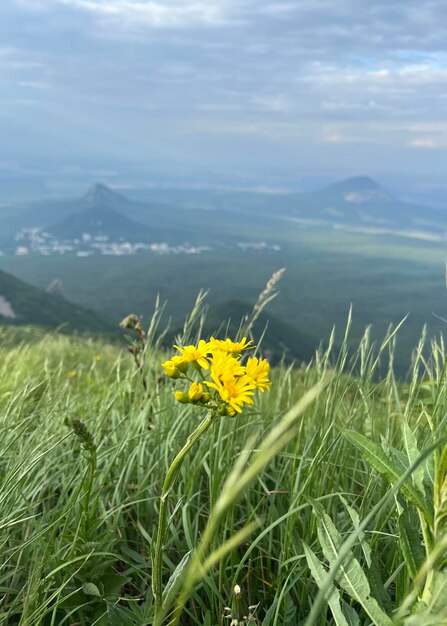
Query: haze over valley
(349,243)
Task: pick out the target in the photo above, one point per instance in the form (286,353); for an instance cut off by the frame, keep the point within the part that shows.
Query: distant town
(30,241)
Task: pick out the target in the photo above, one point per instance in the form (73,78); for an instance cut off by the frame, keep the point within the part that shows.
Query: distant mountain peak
(356,183)
(359,189)
(101,195)
(97,218)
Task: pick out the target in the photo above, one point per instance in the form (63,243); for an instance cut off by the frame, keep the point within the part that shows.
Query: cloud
(15,59)
(34,84)
(34,5)
(424,144)
(337,138)
(135,14)
(279,9)
(277,103)
(338,76)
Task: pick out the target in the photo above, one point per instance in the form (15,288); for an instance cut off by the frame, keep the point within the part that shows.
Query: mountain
(358,203)
(355,203)
(357,190)
(362,202)
(42,213)
(99,219)
(100,208)
(100,195)
(23,304)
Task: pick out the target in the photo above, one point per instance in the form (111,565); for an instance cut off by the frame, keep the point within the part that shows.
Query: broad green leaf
(410,541)
(288,615)
(352,616)
(438,600)
(435,612)
(119,616)
(413,453)
(176,574)
(91,589)
(378,588)
(332,596)
(361,535)
(375,580)
(374,454)
(72,601)
(113,583)
(350,574)
(134,556)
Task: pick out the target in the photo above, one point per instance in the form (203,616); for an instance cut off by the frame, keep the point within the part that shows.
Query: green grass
(61,564)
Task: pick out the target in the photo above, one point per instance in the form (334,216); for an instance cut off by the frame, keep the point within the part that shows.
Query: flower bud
(239,606)
(172,372)
(174,367)
(195,392)
(181,397)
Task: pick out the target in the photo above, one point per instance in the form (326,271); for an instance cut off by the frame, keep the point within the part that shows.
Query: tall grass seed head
(133,322)
(80,430)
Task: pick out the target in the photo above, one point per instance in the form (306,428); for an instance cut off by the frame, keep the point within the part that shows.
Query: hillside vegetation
(25,304)
(335,535)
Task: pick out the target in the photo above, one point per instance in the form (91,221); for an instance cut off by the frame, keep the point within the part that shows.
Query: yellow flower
(196,354)
(72,374)
(224,366)
(172,367)
(195,392)
(257,370)
(232,347)
(235,391)
(233,384)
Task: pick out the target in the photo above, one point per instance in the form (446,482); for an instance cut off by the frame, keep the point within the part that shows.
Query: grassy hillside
(79,508)
(26,304)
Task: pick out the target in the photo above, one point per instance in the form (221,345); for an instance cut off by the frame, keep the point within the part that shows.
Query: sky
(261,89)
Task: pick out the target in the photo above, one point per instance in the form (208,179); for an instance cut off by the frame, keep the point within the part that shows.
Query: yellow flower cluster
(230,383)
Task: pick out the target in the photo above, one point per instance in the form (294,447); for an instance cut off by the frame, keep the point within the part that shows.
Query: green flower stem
(88,486)
(157,561)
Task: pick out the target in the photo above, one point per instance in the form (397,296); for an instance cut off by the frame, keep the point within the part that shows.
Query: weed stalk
(168,483)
